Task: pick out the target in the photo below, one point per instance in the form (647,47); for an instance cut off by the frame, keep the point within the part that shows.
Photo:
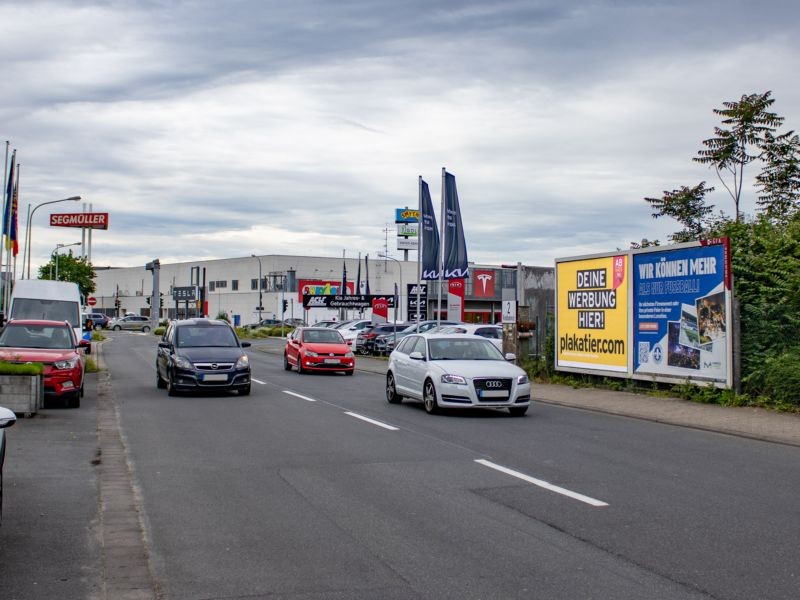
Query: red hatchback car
(53,344)
(318,349)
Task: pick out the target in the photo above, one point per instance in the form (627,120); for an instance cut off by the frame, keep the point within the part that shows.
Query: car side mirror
(416,355)
(163,344)
(7,418)
(245,344)
(86,345)
(511,357)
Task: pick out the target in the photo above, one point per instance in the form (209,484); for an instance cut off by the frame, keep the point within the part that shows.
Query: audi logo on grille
(494,384)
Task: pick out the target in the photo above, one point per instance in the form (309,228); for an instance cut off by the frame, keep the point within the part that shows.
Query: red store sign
(87,220)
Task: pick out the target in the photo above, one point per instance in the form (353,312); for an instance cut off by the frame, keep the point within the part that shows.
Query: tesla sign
(86,220)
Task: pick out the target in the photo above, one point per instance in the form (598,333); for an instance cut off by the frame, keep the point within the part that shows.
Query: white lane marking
(373,421)
(542,484)
(258,381)
(299,396)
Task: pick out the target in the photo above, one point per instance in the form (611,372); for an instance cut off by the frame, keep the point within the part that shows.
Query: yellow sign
(592,323)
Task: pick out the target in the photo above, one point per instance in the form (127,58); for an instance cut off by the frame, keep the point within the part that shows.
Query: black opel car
(202,354)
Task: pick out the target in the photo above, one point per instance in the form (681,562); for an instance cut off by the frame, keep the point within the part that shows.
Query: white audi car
(456,371)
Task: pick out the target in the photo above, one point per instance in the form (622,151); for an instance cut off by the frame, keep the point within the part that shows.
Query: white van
(51,300)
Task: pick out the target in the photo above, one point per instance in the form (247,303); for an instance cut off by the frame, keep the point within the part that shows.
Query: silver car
(456,371)
(130,323)
(7,419)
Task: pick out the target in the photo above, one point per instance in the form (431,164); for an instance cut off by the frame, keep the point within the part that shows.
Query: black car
(202,354)
(366,339)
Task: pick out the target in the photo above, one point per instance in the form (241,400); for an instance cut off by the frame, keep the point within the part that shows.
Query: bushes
(778,379)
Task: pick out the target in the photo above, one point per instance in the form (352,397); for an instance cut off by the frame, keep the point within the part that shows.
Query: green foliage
(779,180)
(91,366)
(159,331)
(97,336)
(9,368)
(747,123)
(687,206)
(779,378)
(70,268)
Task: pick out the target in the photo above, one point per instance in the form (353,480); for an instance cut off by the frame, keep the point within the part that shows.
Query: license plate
(214,377)
(332,361)
(494,394)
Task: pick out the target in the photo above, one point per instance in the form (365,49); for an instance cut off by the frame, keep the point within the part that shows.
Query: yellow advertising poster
(592,318)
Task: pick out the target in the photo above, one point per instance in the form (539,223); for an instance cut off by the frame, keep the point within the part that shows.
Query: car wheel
(391,390)
(287,366)
(350,372)
(145,329)
(300,365)
(160,383)
(116,328)
(429,398)
(518,411)
(74,401)
(362,350)
(171,391)
(245,391)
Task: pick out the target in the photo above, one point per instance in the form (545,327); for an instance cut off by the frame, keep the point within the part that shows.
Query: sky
(223,129)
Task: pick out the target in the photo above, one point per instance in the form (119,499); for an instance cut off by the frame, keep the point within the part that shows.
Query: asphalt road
(315,487)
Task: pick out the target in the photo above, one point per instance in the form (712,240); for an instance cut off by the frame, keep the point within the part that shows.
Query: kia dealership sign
(84,220)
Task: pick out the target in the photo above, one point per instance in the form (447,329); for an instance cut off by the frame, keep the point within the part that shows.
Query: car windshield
(460,349)
(194,336)
(37,336)
(322,336)
(51,310)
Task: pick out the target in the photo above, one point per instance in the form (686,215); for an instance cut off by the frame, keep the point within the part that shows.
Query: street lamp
(399,294)
(260,280)
(27,253)
(57,248)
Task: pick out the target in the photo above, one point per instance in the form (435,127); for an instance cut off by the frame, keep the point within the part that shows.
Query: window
(211,285)
(234,285)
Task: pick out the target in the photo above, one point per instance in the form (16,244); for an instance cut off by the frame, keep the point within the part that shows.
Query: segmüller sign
(90,220)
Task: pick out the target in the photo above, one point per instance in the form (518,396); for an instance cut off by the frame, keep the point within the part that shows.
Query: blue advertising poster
(681,313)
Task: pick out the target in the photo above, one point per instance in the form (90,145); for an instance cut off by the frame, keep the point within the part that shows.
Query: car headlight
(457,379)
(183,363)
(243,362)
(349,355)
(522,379)
(63,365)
(310,353)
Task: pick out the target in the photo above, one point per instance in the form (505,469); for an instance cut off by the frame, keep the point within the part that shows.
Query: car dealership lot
(314,485)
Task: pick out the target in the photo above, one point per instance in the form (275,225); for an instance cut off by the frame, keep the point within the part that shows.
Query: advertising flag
(454,258)
(9,193)
(344,276)
(358,275)
(12,236)
(430,235)
(366,274)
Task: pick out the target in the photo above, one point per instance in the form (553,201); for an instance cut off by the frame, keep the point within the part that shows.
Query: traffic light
(285,305)
(147,300)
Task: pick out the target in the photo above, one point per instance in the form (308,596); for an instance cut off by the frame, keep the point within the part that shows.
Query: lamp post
(399,294)
(260,280)
(27,254)
(57,248)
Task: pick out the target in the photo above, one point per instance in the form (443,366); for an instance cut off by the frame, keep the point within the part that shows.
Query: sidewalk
(754,423)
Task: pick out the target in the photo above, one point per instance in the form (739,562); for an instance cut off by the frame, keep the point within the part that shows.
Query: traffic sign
(91,301)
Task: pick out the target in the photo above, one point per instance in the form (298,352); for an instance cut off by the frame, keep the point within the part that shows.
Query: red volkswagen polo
(53,344)
(318,349)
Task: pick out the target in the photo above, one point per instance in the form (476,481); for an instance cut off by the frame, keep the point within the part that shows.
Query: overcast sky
(222,129)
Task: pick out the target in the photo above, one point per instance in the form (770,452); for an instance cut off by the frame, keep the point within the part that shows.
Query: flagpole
(442,229)
(13,227)
(2,241)
(419,248)
(25,242)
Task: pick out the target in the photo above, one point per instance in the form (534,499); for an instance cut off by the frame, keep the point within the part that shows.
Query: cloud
(299,127)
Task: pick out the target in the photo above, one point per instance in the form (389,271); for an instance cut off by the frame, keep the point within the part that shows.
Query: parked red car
(318,349)
(53,344)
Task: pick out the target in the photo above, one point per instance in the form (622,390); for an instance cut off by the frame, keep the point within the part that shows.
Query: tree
(779,180)
(70,268)
(748,122)
(687,206)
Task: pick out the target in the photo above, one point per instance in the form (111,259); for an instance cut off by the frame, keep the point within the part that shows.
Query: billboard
(682,312)
(592,313)
(320,287)
(658,313)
